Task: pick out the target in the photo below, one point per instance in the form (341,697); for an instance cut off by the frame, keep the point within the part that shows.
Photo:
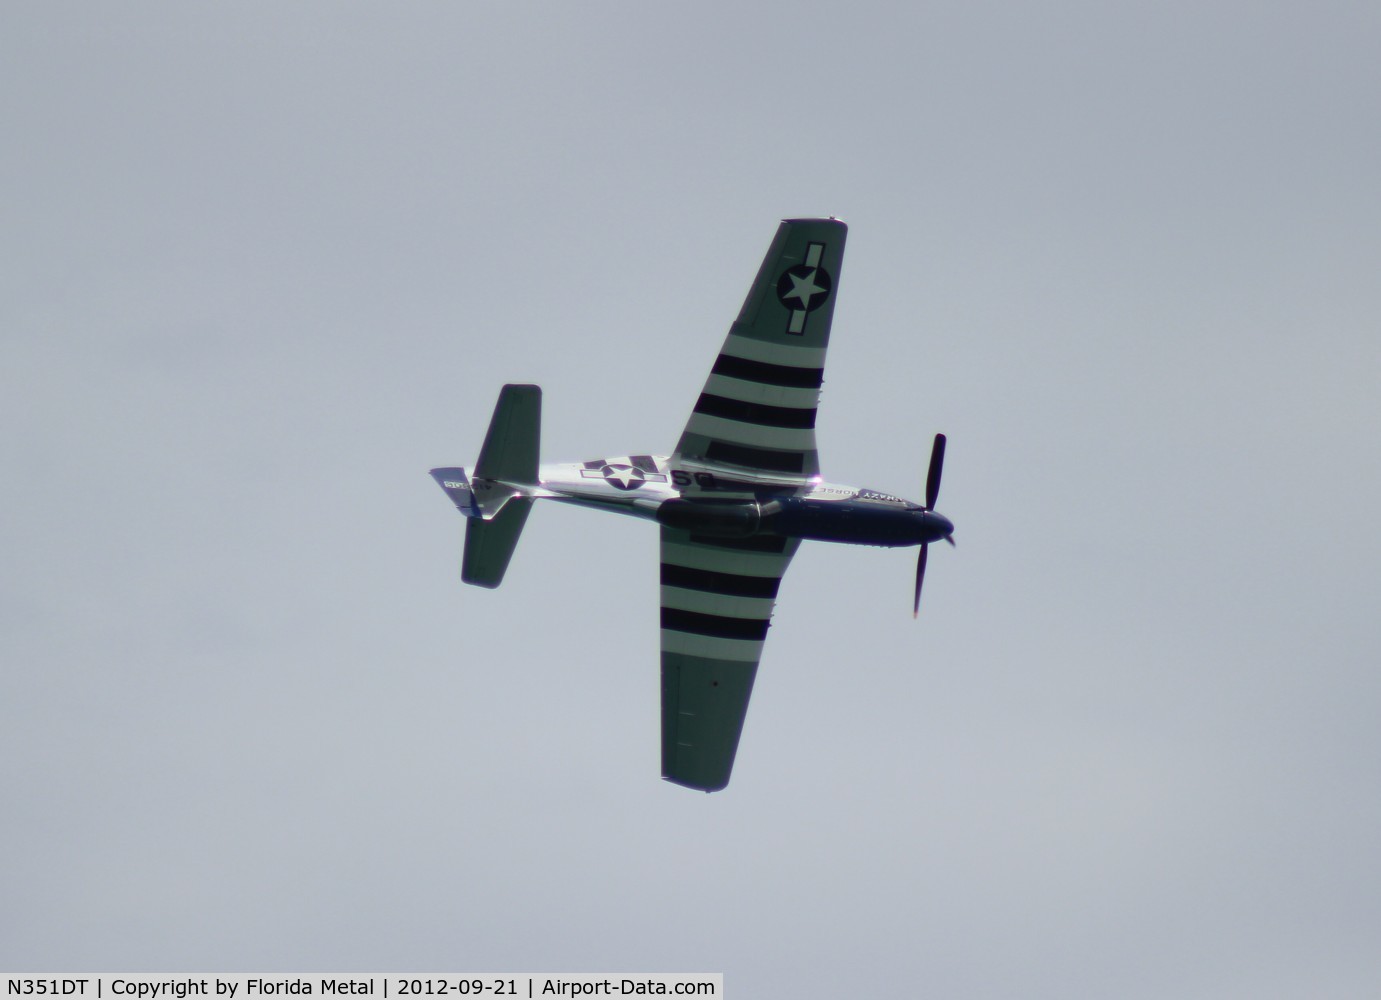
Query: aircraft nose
(937,526)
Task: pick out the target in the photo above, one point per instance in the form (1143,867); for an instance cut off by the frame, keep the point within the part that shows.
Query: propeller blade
(920,577)
(937,465)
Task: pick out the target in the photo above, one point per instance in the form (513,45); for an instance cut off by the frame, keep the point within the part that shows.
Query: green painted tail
(507,463)
(510,448)
(489,544)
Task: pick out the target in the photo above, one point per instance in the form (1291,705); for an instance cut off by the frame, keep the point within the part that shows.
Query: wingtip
(696,786)
(829,219)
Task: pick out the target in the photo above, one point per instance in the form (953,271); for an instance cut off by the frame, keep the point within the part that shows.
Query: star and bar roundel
(804,288)
(628,475)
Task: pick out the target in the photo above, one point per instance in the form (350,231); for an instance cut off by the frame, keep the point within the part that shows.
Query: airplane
(734,501)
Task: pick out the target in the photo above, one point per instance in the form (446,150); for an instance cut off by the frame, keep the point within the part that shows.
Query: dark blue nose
(935,526)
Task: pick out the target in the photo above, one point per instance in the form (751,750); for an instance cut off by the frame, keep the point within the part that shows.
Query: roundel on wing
(804,287)
(623,477)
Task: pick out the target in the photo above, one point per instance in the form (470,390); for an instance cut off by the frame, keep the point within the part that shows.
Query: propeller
(932,493)
(937,466)
(920,577)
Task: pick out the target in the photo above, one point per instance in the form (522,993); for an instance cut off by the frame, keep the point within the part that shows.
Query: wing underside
(753,427)
(717,599)
(756,413)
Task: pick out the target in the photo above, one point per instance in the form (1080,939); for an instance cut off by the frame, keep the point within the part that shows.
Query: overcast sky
(262,265)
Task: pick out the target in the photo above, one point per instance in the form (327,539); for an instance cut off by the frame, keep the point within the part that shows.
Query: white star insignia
(623,475)
(803,288)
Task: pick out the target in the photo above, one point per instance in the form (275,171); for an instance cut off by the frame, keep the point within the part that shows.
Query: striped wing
(717,597)
(756,414)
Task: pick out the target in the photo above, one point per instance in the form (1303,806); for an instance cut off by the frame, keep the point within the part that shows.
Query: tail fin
(493,496)
(457,486)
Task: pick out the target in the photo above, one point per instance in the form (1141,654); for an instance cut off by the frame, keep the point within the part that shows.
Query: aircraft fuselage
(712,505)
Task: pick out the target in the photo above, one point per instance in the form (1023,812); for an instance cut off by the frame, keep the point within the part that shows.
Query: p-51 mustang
(734,500)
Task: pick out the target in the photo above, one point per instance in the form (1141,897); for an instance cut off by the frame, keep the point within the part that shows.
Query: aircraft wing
(717,598)
(756,415)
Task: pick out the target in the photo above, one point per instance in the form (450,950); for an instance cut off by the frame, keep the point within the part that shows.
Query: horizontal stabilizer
(489,544)
(512,444)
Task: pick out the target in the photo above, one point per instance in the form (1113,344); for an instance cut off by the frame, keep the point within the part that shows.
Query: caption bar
(254,986)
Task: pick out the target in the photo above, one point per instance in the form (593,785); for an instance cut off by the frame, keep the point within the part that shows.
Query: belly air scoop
(712,518)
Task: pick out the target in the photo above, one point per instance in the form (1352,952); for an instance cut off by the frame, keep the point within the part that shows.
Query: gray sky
(263,265)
